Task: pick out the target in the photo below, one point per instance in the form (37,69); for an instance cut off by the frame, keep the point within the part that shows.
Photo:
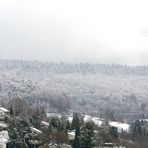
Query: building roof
(4,138)
(35,130)
(3,125)
(4,109)
(121,126)
(45,123)
(71,133)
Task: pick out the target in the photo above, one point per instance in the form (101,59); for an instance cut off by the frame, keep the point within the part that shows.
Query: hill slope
(83,87)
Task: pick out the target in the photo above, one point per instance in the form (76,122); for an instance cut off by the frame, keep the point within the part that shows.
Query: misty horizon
(111,32)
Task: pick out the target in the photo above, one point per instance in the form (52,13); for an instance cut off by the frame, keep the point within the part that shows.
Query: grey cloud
(70,31)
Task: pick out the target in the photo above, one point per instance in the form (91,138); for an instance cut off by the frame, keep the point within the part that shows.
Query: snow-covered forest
(83,87)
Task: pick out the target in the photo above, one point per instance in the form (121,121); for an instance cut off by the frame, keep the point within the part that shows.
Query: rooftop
(36,130)
(4,109)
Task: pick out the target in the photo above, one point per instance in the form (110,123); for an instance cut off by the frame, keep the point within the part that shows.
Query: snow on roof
(53,115)
(121,126)
(3,125)
(45,123)
(4,138)
(97,121)
(143,120)
(4,134)
(70,118)
(4,109)
(3,144)
(36,130)
(96,131)
(87,118)
(71,135)
(108,143)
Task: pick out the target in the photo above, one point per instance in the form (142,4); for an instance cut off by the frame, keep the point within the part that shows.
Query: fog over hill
(82,87)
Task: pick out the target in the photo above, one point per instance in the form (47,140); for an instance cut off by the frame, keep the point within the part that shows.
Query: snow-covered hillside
(83,87)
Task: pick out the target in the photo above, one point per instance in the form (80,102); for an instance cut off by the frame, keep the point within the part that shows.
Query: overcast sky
(114,31)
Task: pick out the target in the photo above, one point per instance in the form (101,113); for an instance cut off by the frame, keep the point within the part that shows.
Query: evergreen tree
(67,125)
(76,143)
(55,123)
(43,113)
(114,132)
(87,136)
(11,110)
(36,122)
(137,130)
(75,121)
(18,130)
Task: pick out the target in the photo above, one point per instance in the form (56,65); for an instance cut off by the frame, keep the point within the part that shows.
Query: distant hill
(83,87)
